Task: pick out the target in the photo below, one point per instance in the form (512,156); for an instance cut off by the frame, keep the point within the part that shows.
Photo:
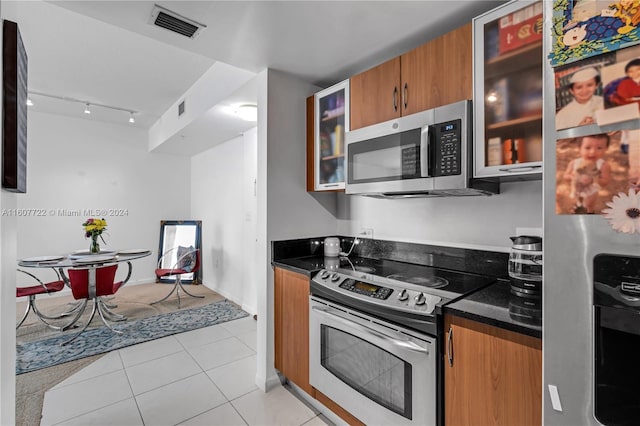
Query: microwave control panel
(447,155)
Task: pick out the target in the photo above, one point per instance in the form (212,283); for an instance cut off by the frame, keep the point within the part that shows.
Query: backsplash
(459,259)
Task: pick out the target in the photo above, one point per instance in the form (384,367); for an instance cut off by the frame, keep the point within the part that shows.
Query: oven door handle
(400,341)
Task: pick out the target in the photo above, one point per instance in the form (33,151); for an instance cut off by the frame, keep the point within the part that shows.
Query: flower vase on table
(93,229)
(94,248)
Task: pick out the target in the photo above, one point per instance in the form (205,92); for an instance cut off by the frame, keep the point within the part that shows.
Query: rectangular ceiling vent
(175,22)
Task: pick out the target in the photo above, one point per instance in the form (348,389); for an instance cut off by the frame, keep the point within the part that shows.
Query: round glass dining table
(86,260)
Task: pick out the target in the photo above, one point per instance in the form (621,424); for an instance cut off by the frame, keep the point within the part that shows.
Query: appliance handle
(450,346)
(398,340)
(425,147)
(519,169)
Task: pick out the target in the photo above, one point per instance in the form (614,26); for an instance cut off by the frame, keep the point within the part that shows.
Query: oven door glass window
(374,372)
(391,157)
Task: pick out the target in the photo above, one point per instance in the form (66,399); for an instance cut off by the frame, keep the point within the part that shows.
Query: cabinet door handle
(520,169)
(404,95)
(395,99)
(450,346)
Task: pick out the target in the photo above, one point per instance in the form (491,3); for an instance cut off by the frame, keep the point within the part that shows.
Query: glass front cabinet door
(331,121)
(508,91)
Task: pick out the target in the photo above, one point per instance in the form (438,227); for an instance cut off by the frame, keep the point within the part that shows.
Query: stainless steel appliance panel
(379,372)
(423,154)
(570,244)
(359,182)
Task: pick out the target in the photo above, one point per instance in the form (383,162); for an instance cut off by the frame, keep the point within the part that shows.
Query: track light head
(131,119)
(86,109)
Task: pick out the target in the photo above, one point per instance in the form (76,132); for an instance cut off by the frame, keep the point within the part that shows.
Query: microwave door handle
(397,341)
(425,148)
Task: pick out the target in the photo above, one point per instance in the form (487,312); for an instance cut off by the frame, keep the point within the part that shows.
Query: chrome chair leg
(185,290)
(176,288)
(74,320)
(31,306)
(102,316)
(113,316)
(93,313)
(26,313)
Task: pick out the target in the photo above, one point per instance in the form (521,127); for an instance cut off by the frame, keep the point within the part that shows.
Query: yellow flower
(94,226)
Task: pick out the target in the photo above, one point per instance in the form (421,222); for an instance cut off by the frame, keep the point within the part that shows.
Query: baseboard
(252,310)
(317,405)
(266,384)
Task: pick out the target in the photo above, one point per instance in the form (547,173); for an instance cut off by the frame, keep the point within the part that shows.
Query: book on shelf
(520,28)
(497,101)
(494,152)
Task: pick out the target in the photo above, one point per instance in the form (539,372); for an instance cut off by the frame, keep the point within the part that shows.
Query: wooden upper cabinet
(375,95)
(438,73)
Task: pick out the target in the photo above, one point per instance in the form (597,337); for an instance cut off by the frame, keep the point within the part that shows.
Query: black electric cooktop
(442,282)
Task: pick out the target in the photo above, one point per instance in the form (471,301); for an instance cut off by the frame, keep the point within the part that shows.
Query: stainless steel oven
(379,372)
(374,338)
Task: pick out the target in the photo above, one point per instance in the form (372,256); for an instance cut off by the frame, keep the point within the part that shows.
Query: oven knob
(402,296)
(420,299)
(335,277)
(324,275)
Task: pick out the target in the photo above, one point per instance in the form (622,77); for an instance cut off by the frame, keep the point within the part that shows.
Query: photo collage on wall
(596,56)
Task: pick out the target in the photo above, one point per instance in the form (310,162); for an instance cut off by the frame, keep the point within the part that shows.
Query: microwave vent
(172,21)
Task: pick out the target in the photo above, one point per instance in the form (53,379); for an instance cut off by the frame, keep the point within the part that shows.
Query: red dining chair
(32,291)
(187,262)
(91,284)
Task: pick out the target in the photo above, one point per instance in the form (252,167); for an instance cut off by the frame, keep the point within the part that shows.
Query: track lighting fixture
(87,105)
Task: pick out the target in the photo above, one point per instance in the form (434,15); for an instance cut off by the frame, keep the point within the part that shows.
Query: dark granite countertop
(495,305)
(307,265)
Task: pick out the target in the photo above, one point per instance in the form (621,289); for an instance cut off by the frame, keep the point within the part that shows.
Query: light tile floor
(201,377)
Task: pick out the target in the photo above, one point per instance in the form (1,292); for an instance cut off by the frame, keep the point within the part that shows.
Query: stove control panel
(367,289)
(375,290)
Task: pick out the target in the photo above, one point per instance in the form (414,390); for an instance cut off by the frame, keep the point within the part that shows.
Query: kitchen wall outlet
(366,233)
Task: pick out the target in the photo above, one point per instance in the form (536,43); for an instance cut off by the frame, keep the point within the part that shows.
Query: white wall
(285,209)
(77,164)
(222,196)
(8,201)
(471,222)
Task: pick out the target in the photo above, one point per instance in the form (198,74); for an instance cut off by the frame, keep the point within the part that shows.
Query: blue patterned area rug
(45,353)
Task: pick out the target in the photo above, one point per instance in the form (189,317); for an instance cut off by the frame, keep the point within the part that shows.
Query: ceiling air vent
(175,22)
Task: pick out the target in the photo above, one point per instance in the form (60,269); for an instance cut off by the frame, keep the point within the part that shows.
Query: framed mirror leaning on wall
(174,234)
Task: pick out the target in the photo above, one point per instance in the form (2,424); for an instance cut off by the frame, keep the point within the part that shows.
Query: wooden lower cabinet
(495,377)
(291,328)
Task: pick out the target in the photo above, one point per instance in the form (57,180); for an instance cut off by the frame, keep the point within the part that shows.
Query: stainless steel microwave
(424,154)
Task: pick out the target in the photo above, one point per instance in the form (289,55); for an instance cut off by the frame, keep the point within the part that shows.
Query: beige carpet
(132,302)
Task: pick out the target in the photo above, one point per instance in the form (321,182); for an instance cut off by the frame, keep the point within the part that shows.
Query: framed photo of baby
(592,169)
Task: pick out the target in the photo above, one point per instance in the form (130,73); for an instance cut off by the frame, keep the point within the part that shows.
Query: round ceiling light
(247,112)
